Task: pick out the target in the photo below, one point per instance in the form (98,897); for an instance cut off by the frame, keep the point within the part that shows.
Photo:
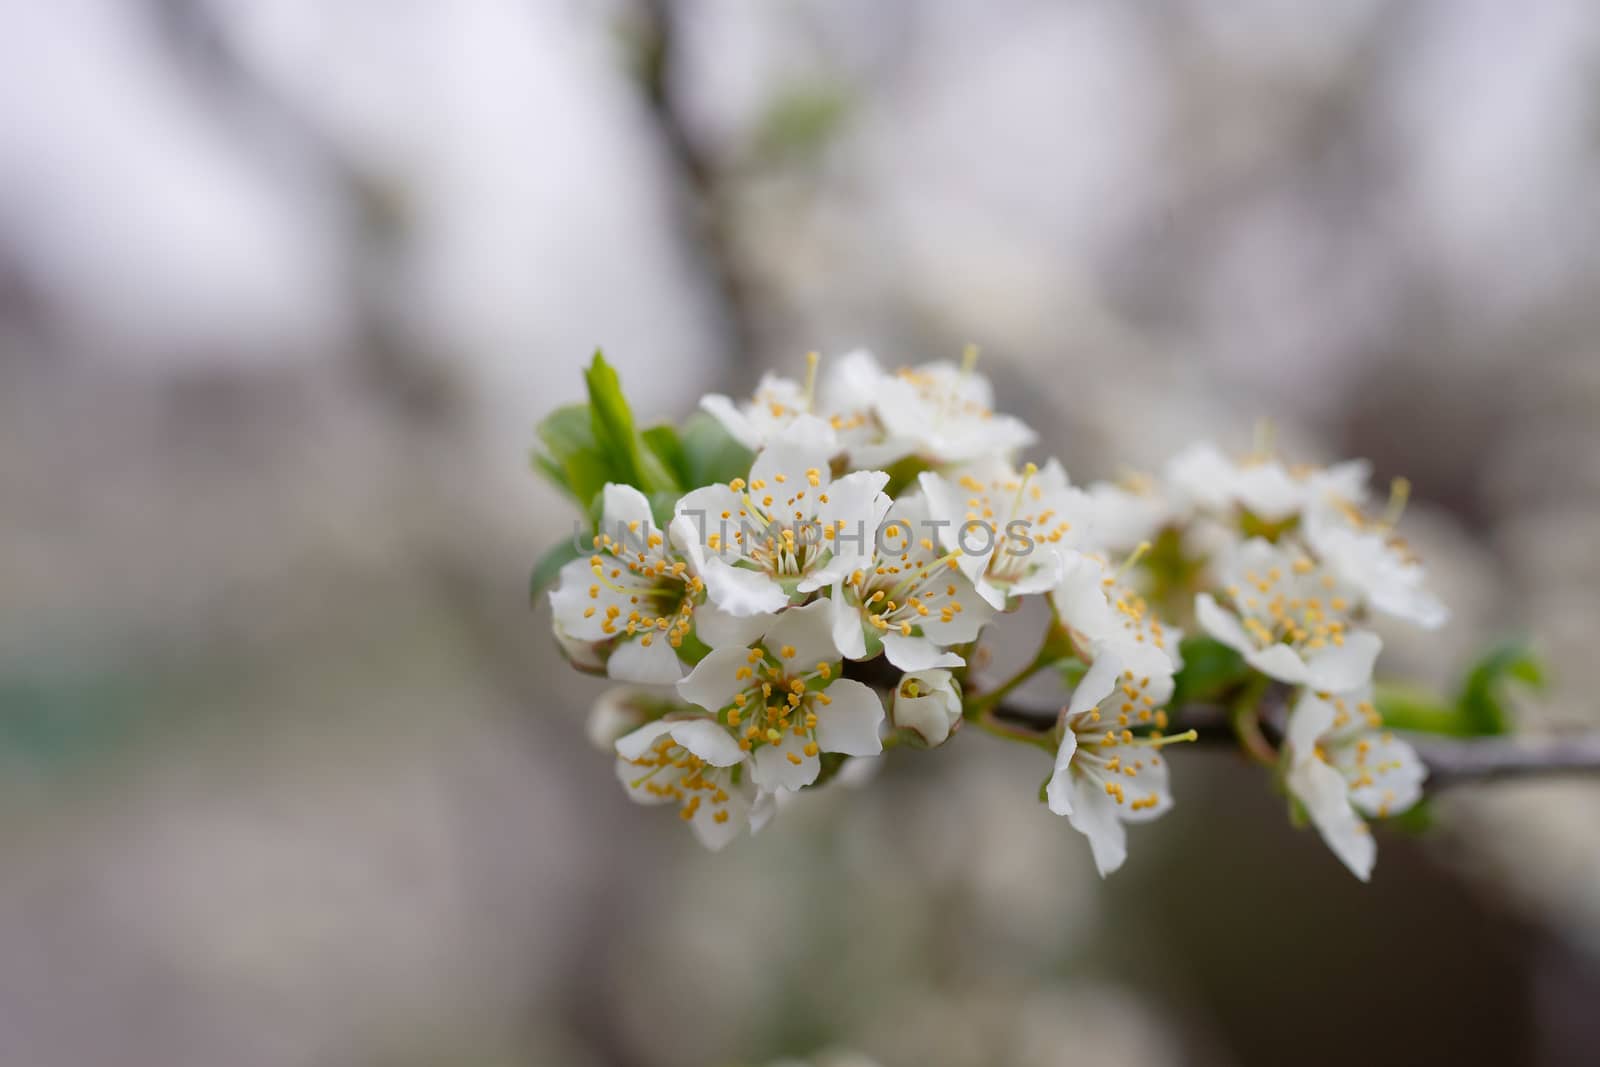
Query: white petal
(1411,604)
(790,461)
(1322,789)
(1340,668)
(845,618)
(1395,771)
(570,600)
(917,653)
(635,744)
(849,723)
(1311,718)
(773,769)
(1080,597)
(1096,684)
(656,664)
(1221,624)
(714,680)
(851,381)
(733,420)
(636,781)
(718,629)
(808,432)
(857,501)
(1268,491)
(808,631)
(741,592)
(1094,815)
(709,740)
(698,517)
(624,506)
(945,506)
(1058,791)
(762,809)
(1149,780)
(1280,662)
(1043,573)
(715,834)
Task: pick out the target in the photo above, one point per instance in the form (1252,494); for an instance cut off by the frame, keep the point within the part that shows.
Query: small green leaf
(575,463)
(664,442)
(1417,819)
(903,474)
(1420,710)
(556,556)
(1482,704)
(1211,671)
(662,506)
(710,453)
(612,422)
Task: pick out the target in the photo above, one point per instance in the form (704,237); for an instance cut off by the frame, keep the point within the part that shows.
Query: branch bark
(1450,760)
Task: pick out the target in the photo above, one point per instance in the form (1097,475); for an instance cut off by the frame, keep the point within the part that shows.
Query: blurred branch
(1450,760)
(700,180)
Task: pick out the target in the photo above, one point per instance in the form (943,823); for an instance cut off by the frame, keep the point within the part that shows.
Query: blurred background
(290,773)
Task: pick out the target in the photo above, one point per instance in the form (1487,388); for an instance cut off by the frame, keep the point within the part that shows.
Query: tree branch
(1450,760)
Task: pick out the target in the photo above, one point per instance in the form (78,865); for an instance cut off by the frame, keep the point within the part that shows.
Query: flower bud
(618,711)
(928,704)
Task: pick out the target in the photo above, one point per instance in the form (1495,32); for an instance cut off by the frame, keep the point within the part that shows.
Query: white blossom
(945,414)
(1011,530)
(631,603)
(786,701)
(693,761)
(836,414)
(1290,619)
(910,598)
(788,531)
(1106,775)
(928,703)
(1115,628)
(1344,764)
(1124,515)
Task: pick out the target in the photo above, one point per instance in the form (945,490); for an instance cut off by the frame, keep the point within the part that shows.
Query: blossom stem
(1057,646)
(1244,716)
(990,723)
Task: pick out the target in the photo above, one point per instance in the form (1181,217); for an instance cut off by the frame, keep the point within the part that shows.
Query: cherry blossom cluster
(808,576)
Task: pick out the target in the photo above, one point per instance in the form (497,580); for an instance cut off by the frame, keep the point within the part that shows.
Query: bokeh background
(290,772)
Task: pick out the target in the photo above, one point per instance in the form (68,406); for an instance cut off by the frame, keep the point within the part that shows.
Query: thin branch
(1450,760)
(1453,760)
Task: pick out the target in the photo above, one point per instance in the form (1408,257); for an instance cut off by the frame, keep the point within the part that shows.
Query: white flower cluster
(883,517)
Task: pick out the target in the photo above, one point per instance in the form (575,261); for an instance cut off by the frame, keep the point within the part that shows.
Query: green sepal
(1211,671)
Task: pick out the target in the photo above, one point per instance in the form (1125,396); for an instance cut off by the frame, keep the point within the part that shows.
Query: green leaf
(612,422)
(903,474)
(575,463)
(662,507)
(664,442)
(1211,671)
(1420,710)
(544,572)
(1482,705)
(710,453)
